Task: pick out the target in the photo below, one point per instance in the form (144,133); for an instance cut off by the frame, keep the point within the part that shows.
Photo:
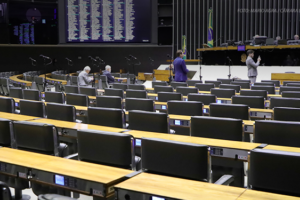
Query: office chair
(140,104)
(106,148)
(223,93)
(71,89)
(7,105)
(217,128)
(237,111)
(32,108)
(237,88)
(290,94)
(177,159)
(262,93)
(89,91)
(6,132)
(273,132)
(114,92)
(106,117)
(141,94)
(250,101)
(265,163)
(244,85)
(119,86)
(136,87)
(109,102)
(178,84)
(206,99)
(243,80)
(269,89)
(225,81)
(265,83)
(34,95)
(186,90)
(286,82)
(16,92)
(103,79)
(277,83)
(293,84)
(159,88)
(204,86)
(61,112)
(74,80)
(167,96)
(116,74)
(288,88)
(5,85)
(189,108)
(148,121)
(40,81)
(284,102)
(193,82)
(77,99)
(216,83)
(55,97)
(159,83)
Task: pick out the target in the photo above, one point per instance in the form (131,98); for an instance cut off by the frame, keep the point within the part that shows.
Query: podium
(285,77)
(162,75)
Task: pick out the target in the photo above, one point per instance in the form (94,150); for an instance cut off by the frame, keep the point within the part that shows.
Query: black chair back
(183,160)
(168,96)
(288,88)
(216,83)
(109,102)
(106,117)
(290,94)
(225,81)
(114,92)
(160,83)
(16,92)
(159,88)
(223,93)
(140,104)
(284,102)
(136,87)
(34,95)
(77,99)
(148,121)
(89,91)
(71,89)
(237,111)
(193,82)
(5,133)
(61,112)
(189,108)
(55,97)
(106,148)
(7,105)
(265,83)
(217,128)
(276,83)
(178,84)
(286,82)
(141,94)
(204,86)
(261,93)
(293,84)
(32,108)
(269,89)
(206,99)
(250,101)
(244,85)
(237,88)
(186,90)
(120,86)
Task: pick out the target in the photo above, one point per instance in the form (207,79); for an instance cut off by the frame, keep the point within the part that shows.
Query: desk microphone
(151,59)
(68,60)
(45,57)
(132,57)
(32,59)
(93,59)
(228,59)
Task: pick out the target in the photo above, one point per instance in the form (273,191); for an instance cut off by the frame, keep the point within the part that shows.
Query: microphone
(99,59)
(127,58)
(45,57)
(32,59)
(132,57)
(151,59)
(93,59)
(228,58)
(168,55)
(218,39)
(68,60)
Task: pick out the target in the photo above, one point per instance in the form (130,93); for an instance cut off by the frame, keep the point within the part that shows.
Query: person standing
(83,78)
(252,66)
(180,68)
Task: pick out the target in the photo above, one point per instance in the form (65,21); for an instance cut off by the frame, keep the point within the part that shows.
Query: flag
(184,47)
(210,42)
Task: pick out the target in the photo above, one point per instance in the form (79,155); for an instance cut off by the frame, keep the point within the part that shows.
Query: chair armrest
(224,180)
(71,156)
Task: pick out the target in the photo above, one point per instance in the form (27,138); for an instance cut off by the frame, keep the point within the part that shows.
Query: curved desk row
(18,79)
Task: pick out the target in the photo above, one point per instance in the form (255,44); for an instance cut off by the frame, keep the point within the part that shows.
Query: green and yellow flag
(210,42)
(184,46)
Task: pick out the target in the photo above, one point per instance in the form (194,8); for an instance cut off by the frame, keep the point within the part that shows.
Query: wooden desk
(170,187)
(52,80)
(187,60)
(162,75)
(17,79)
(16,117)
(285,76)
(145,76)
(258,195)
(283,148)
(91,179)
(250,47)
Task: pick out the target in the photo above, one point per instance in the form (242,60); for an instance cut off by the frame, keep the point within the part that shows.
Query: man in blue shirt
(106,72)
(180,68)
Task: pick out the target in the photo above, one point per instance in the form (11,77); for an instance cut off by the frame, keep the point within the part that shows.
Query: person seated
(296,37)
(170,67)
(276,40)
(107,72)
(83,78)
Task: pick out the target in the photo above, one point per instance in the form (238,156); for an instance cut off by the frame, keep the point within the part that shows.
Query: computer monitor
(260,40)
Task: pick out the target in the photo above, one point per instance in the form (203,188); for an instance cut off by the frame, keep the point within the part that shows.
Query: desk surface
(250,47)
(63,82)
(179,188)
(73,168)
(16,117)
(18,78)
(258,195)
(283,148)
(196,140)
(74,125)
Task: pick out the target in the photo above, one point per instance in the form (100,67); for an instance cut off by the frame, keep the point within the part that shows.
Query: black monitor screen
(120,21)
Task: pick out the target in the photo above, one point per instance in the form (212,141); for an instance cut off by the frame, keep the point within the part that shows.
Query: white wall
(212,72)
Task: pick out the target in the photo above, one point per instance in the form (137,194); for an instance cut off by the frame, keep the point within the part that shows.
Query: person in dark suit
(180,68)
(252,66)
(106,72)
